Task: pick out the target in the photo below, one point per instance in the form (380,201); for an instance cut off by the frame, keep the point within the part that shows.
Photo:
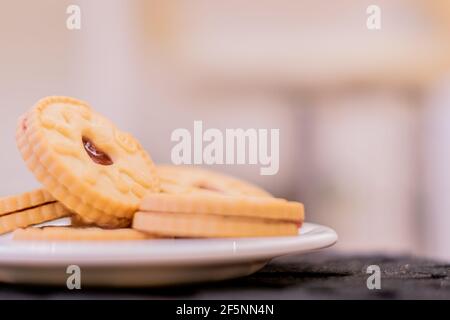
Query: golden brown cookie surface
(193,225)
(218,204)
(188,179)
(29,209)
(85,162)
(208,214)
(24,201)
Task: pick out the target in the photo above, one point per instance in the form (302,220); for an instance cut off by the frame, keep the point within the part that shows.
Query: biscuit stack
(107,183)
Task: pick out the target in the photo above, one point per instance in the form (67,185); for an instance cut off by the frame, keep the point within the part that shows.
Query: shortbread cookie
(25,201)
(78,234)
(29,209)
(218,204)
(187,179)
(207,214)
(192,225)
(85,162)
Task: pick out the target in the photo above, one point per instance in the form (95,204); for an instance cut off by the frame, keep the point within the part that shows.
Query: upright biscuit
(85,162)
(29,209)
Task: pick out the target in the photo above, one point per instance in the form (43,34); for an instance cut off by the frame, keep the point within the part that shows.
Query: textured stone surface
(312,276)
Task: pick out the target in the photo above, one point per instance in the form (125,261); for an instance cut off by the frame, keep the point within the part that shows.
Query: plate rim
(45,254)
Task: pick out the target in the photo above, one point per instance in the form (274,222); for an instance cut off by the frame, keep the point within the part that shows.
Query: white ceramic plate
(151,262)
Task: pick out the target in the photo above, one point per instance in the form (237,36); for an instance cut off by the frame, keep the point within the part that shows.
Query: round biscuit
(33,216)
(85,162)
(25,200)
(219,204)
(210,226)
(188,179)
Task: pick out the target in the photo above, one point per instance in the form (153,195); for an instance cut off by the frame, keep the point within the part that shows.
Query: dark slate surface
(312,276)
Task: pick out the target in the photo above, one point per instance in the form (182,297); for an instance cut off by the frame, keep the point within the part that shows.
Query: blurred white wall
(34,62)
(364,163)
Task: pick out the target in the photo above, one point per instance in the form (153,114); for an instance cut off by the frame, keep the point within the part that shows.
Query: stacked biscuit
(108,184)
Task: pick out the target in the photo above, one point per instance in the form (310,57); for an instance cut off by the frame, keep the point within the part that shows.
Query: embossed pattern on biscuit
(103,182)
(187,179)
(218,204)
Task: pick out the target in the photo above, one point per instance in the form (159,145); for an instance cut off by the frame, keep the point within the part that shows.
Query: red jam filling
(97,155)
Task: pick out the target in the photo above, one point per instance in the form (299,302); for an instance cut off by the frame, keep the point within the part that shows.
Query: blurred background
(364,115)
